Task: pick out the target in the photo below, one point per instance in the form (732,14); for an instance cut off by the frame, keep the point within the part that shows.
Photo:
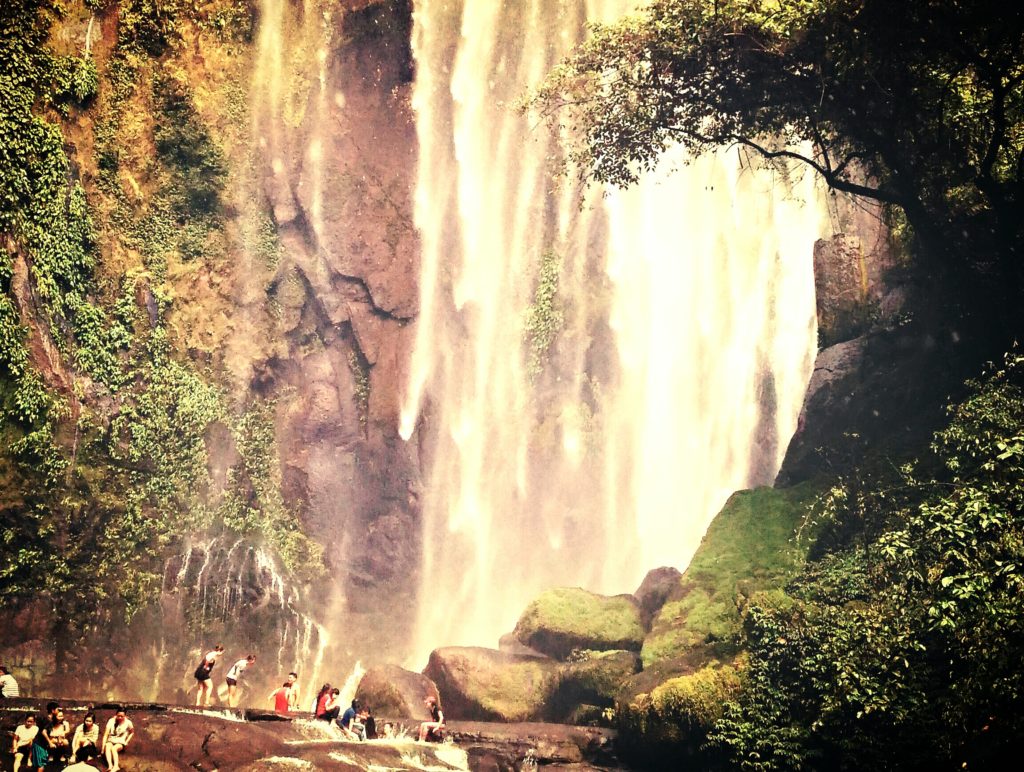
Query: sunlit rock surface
(486,684)
(750,546)
(168,739)
(567,618)
(394,691)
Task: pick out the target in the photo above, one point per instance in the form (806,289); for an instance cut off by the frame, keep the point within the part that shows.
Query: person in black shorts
(232,678)
(202,674)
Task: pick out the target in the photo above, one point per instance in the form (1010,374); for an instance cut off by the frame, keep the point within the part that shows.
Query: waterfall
(594,372)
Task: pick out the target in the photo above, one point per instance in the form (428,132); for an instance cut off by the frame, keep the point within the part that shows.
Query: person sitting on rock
(349,723)
(369,725)
(331,707)
(24,736)
(321,700)
(116,737)
(8,684)
(82,758)
(52,742)
(433,729)
(87,733)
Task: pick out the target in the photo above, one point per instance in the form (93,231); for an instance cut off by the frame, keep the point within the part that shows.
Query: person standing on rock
(203,676)
(232,678)
(293,691)
(116,737)
(436,723)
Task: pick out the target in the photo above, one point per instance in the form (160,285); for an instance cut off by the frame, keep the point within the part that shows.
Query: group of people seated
(355,723)
(358,723)
(49,743)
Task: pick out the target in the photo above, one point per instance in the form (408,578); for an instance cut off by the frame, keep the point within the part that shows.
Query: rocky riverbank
(170,738)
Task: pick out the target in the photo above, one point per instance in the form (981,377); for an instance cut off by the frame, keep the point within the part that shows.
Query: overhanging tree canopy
(917,104)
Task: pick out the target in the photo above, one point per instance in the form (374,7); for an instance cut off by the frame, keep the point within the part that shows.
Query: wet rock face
(854,282)
(337,179)
(889,359)
(654,590)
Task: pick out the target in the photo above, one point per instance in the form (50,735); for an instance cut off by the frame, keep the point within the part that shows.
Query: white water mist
(685,335)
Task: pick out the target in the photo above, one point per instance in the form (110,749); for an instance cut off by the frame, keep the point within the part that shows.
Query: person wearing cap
(434,727)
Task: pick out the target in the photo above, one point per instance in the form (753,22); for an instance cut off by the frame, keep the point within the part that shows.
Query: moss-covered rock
(588,685)
(751,545)
(568,618)
(489,685)
(668,725)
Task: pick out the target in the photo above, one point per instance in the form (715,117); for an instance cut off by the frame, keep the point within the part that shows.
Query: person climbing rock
(232,678)
(202,675)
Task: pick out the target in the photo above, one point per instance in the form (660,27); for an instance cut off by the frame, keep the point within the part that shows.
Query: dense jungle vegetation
(104,461)
(899,645)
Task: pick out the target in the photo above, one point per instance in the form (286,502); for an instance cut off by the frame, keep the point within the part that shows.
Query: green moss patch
(568,618)
(751,545)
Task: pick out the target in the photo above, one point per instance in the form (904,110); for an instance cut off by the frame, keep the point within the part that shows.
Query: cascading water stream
(592,376)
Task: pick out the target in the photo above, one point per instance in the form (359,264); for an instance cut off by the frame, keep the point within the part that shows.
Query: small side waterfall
(231,589)
(593,374)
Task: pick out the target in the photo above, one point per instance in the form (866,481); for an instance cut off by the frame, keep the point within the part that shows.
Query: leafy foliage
(105,426)
(903,653)
(918,104)
(544,317)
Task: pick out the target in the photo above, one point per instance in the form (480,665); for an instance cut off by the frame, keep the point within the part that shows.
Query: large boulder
(587,686)
(489,685)
(392,691)
(568,618)
(750,546)
(666,727)
(654,591)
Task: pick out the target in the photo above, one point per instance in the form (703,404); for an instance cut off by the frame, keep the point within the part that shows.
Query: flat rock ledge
(177,737)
